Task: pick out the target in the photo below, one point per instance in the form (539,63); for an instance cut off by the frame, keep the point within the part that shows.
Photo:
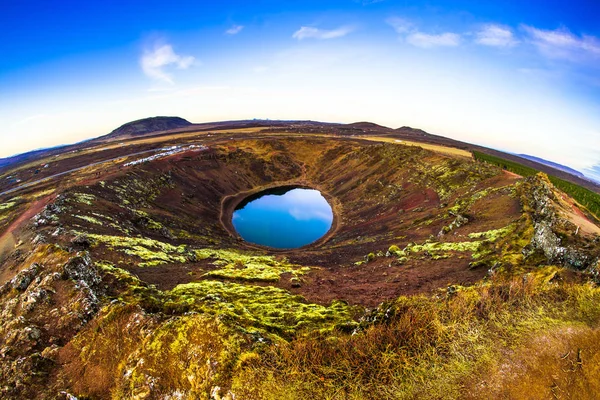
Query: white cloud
(153,62)
(307,32)
(495,36)
(408,30)
(234,30)
(400,25)
(426,41)
(561,43)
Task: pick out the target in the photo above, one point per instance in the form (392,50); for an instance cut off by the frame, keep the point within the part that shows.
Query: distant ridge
(147,125)
(30,155)
(561,167)
(163,125)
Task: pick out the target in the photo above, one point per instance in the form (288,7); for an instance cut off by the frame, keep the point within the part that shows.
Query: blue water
(285,220)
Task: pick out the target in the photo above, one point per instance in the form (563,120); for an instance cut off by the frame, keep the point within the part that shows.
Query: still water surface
(283,218)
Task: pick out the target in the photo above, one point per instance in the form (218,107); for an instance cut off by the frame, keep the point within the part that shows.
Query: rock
(541,203)
(33,333)
(165,232)
(23,279)
(39,239)
(80,268)
(49,215)
(82,241)
(459,221)
(34,298)
(51,352)
(451,290)
(191,257)
(67,396)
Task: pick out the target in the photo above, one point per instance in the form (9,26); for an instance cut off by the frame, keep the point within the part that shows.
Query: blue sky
(519,76)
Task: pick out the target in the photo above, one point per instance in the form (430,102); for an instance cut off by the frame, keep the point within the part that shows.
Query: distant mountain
(147,125)
(561,167)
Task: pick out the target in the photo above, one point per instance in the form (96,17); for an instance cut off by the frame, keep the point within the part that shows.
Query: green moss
(118,273)
(130,242)
(443,246)
(152,252)
(492,235)
(150,223)
(6,206)
(89,219)
(395,250)
(84,198)
(238,265)
(270,308)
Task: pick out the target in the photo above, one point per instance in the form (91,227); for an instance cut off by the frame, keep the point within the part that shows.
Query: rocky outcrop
(50,214)
(41,309)
(552,232)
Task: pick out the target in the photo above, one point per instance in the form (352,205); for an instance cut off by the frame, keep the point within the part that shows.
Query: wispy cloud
(561,43)
(234,30)
(495,36)
(408,30)
(400,25)
(426,41)
(154,62)
(307,32)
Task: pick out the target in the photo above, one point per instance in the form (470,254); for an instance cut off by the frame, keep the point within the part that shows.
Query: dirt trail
(35,208)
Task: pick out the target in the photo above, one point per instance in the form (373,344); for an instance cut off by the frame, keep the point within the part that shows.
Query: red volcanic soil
(32,210)
(368,222)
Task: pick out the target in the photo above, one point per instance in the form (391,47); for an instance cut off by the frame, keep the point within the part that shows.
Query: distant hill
(561,167)
(147,125)
(412,131)
(367,126)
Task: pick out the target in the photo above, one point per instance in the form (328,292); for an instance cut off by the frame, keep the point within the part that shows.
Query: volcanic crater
(382,195)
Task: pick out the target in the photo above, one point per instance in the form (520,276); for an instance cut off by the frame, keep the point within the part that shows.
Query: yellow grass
(453,151)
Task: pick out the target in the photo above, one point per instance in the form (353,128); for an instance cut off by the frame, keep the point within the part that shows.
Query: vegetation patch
(432,348)
(153,252)
(149,222)
(6,206)
(89,219)
(440,250)
(237,265)
(273,309)
(84,198)
(493,234)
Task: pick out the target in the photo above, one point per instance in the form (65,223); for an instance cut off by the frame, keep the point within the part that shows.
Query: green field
(585,197)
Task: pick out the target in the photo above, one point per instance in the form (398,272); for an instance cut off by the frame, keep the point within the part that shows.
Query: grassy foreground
(490,340)
(455,345)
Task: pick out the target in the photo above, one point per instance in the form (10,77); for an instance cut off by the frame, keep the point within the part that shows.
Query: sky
(519,76)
